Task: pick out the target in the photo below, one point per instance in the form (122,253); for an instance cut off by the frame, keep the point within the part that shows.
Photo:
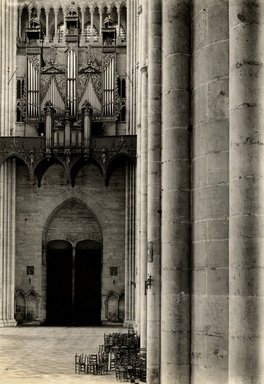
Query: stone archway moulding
(94,207)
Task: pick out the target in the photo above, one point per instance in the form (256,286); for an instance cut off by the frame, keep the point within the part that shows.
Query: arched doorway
(72,260)
(73,283)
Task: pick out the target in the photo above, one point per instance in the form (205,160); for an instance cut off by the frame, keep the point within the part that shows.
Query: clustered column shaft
(154,190)
(175,261)
(246,231)
(7,171)
(144,178)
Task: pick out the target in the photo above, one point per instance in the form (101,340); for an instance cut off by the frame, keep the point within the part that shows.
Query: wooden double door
(73,283)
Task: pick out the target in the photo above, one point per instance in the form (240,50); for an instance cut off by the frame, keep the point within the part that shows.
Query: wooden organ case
(72,87)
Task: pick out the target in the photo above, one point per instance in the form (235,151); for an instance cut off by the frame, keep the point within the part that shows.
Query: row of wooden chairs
(120,352)
(90,364)
(130,367)
(121,340)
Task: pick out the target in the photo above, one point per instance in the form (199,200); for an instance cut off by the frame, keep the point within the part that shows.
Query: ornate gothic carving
(33,152)
(35,60)
(60,81)
(45,81)
(82,82)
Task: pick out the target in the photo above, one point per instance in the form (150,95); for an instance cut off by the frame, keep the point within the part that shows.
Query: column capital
(47,10)
(56,9)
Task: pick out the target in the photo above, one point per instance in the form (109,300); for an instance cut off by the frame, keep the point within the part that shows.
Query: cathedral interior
(131,147)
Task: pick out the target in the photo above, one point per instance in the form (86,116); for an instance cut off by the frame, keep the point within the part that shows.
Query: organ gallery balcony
(39,153)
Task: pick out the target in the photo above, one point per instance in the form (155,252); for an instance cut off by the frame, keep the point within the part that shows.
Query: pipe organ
(109,86)
(33,87)
(65,75)
(71,81)
(54,95)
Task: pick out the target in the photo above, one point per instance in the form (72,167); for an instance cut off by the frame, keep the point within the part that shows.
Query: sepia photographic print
(131,180)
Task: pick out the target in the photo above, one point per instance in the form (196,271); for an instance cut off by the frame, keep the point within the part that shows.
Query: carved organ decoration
(68,79)
(90,84)
(72,24)
(21,100)
(53,85)
(91,33)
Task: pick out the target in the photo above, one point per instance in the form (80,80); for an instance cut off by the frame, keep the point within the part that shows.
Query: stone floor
(41,355)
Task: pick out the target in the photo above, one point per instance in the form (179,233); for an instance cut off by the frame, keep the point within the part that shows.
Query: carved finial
(48,106)
(67,113)
(87,107)
(52,56)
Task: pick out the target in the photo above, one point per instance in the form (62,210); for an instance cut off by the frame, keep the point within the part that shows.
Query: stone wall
(38,220)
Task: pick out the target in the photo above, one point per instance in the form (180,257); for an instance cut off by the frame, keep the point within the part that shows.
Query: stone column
(176,228)
(87,128)
(64,10)
(7,170)
(118,21)
(129,93)
(47,25)
(144,172)
(55,25)
(91,18)
(19,13)
(49,118)
(246,231)
(138,191)
(132,246)
(135,65)
(210,199)
(137,281)
(127,269)
(154,191)
(29,13)
(82,23)
(118,38)
(129,244)
(67,129)
(100,23)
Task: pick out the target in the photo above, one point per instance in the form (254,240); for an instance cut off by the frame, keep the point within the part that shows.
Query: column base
(82,40)
(127,322)
(8,323)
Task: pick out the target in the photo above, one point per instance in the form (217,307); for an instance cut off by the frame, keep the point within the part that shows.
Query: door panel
(88,285)
(59,283)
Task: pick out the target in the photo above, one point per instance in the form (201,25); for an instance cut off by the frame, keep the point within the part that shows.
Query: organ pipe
(71,81)
(33,90)
(109,85)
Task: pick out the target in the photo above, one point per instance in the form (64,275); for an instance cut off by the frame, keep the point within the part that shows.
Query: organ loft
(131,177)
